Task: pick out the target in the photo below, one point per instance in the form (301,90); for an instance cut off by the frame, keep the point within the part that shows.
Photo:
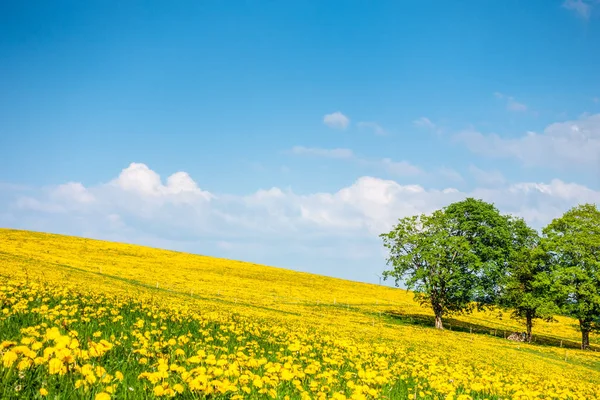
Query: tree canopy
(526,284)
(572,243)
(453,258)
(488,235)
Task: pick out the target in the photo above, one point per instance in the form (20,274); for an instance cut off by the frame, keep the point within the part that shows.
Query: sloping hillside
(320,337)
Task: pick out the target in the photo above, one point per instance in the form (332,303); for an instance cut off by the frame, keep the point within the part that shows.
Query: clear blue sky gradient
(224,89)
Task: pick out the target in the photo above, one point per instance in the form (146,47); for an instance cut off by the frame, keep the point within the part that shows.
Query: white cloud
(30,203)
(487,178)
(427,124)
(566,144)
(328,153)
(273,225)
(580,7)
(72,191)
(424,123)
(511,103)
(139,178)
(398,168)
(361,202)
(336,120)
(374,126)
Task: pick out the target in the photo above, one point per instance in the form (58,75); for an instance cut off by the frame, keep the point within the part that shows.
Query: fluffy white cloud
(369,201)
(139,178)
(334,233)
(72,192)
(336,120)
(560,144)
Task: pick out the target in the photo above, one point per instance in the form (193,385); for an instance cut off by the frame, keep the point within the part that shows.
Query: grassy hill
(85,318)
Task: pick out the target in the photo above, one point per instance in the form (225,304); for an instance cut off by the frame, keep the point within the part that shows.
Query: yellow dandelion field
(82,318)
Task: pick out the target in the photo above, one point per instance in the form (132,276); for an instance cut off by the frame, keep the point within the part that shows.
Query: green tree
(526,285)
(573,246)
(487,232)
(433,262)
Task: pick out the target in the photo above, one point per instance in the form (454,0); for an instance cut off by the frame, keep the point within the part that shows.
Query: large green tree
(437,265)
(487,232)
(452,259)
(526,287)
(572,243)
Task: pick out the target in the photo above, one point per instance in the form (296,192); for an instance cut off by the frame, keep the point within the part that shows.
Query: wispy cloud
(511,103)
(450,174)
(336,120)
(397,168)
(327,153)
(514,105)
(374,126)
(487,178)
(580,7)
(400,168)
(426,124)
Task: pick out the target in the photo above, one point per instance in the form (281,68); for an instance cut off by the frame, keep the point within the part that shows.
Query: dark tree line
(470,256)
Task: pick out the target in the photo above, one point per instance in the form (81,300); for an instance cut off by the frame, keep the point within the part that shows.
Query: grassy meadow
(82,318)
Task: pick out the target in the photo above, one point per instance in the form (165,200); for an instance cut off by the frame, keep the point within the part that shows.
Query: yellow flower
(257,382)
(327,338)
(55,366)
(178,388)
(102,396)
(159,391)
(9,358)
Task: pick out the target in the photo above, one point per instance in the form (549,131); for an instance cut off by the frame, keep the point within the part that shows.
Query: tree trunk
(585,340)
(529,326)
(438,321)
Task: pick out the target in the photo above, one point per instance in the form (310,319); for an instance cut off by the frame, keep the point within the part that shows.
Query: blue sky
(303,128)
